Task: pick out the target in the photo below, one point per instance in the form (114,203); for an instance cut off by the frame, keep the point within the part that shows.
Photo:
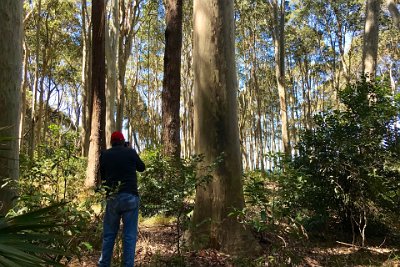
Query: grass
(157,220)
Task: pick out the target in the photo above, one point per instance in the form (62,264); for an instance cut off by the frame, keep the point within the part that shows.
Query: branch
(394,12)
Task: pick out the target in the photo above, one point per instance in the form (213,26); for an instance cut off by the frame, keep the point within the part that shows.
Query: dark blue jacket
(118,166)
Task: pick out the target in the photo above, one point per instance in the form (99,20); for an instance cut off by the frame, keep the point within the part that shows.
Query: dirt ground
(157,247)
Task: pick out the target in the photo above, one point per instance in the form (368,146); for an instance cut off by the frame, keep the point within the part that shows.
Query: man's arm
(139,163)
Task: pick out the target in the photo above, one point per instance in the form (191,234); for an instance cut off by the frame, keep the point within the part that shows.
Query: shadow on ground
(157,247)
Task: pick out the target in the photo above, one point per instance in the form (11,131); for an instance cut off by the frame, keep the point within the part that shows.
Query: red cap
(117,136)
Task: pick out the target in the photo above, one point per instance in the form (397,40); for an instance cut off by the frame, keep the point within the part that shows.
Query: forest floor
(157,247)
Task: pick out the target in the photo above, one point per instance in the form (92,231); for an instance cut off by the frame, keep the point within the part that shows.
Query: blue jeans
(125,206)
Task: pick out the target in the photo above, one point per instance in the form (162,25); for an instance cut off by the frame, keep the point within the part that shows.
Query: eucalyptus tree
(338,23)
(344,16)
(389,55)
(85,78)
(111,50)
(24,88)
(137,117)
(278,34)
(305,66)
(129,15)
(172,79)
(142,65)
(63,85)
(256,30)
(371,38)
(53,33)
(187,143)
(258,94)
(249,21)
(216,131)
(97,135)
(32,143)
(150,41)
(11,32)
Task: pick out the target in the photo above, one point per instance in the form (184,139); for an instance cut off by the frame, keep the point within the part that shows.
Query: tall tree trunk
(187,83)
(216,131)
(129,18)
(120,91)
(258,97)
(32,140)
(47,108)
(333,66)
(371,35)
(341,43)
(97,136)
(279,43)
(11,32)
(172,80)
(112,36)
(44,75)
(24,86)
(39,117)
(86,84)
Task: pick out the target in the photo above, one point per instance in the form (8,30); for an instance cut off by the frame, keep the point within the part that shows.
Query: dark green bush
(271,200)
(168,186)
(349,162)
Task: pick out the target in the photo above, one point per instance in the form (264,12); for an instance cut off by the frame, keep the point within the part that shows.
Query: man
(118,166)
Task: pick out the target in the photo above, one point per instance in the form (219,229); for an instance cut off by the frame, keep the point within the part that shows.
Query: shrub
(271,200)
(165,185)
(168,186)
(57,173)
(350,160)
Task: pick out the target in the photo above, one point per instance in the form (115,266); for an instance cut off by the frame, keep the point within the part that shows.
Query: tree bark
(216,131)
(32,139)
(187,83)
(258,97)
(172,80)
(279,44)
(86,77)
(128,20)
(97,136)
(112,36)
(371,39)
(24,86)
(11,32)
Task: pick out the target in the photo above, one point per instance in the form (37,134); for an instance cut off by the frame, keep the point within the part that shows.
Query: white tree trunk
(279,44)
(86,81)
(24,86)
(129,17)
(112,36)
(371,38)
(10,77)
(32,141)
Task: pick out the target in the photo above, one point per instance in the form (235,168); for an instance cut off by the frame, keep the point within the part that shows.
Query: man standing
(118,166)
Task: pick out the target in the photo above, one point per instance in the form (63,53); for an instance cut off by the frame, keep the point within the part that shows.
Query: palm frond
(22,238)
